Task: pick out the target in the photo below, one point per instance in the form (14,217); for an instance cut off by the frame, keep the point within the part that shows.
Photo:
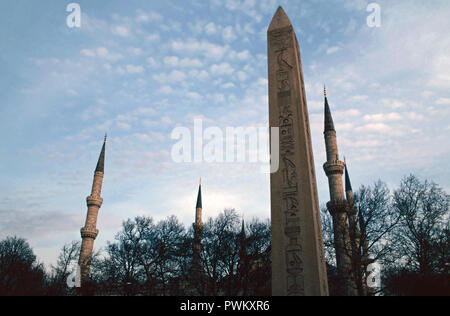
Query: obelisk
(298,263)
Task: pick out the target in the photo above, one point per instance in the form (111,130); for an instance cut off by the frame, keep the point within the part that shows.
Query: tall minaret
(89,232)
(352,221)
(334,168)
(243,260)
(355,235)
(198,227)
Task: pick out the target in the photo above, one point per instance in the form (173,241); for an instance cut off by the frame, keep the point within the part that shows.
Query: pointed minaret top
(279,20)
(348,184)
(101,160)
(243,226)
(329,125)
(199,197)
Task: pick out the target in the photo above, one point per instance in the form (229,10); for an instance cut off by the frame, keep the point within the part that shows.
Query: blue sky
(138,69)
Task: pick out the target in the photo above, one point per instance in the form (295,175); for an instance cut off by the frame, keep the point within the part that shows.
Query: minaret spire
(101,159)
(197,273)
(329,125)
(348,183)
(243,268)
(89,232)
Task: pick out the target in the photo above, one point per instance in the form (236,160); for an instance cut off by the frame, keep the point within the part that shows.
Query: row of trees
(148,258)
(405,231)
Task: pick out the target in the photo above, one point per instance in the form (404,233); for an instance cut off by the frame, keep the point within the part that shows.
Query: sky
(138,69)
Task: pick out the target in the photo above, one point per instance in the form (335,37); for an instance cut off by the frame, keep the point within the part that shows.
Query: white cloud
(332,50)
(88,52)
(171,61)
(375,127)
(222,69)
(173,76)
(392,103)
(194,95)
(166,89)
(135,69)
(193,46)
(152,62)
(123,126)
(228,34)
(121,30)
(443,101)
(228,85)
(147,17)
(153,37)
(382,117)
(101,52)
(211,28)
(242,76)
(135,51)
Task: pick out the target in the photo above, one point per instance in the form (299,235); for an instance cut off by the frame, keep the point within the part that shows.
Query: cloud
(228,34)
(101,52)
(37,224)
(443,101)
(147,17)
(173,76)
(165,89)
(210,28)
(135,69)
(121,30)
(174,61)
(171,61)
(135,51)
(152,62)
(383,117)
(374,127)
(204,48)
(222,69)
(332,50)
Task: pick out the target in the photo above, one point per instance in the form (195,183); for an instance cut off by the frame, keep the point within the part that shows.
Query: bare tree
(65,266)
(423,209)
(20,273)
(220,253)
(376,219)
(256,278)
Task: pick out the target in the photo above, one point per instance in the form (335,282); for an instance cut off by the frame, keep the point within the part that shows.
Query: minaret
(334,168)
(355,235)
(243,259)
(353,226)
(198,227)
(298,263)
(89,232)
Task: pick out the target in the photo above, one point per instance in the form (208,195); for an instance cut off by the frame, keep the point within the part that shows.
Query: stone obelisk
(89,232)
(298,263)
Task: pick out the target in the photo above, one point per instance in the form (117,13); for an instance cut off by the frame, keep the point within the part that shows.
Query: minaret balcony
(94,201)
(336,207)
(87,232)
(333,167)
